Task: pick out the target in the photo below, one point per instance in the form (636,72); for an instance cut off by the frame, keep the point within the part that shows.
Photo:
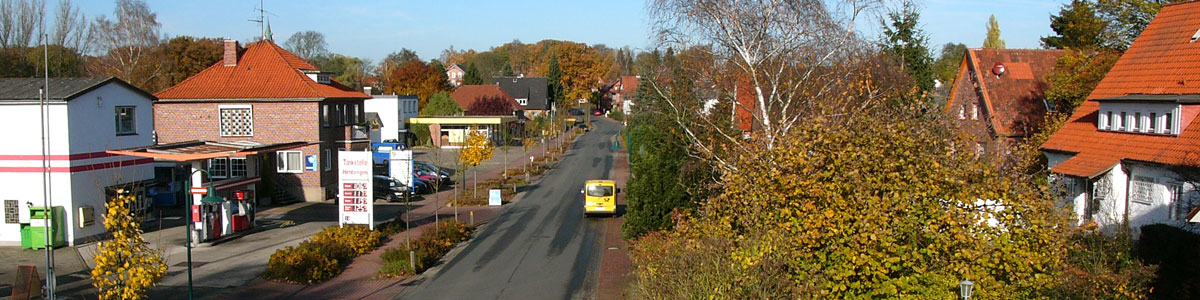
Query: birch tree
(128,45)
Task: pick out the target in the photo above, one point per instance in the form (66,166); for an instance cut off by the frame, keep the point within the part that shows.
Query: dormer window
(1146,114)
(318,76)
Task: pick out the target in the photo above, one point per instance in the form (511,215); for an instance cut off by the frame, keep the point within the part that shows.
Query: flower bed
(323,256)
(434,242)
(468,197)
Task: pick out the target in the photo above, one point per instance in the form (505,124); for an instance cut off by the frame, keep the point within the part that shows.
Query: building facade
(393,111)
(998,97)
(86,117)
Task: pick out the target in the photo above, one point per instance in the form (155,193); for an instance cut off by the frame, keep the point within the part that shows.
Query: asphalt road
(541,247)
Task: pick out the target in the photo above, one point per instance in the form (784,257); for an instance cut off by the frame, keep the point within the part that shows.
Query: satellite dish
(998,69)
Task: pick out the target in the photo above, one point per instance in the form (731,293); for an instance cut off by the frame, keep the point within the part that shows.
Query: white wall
(387,106)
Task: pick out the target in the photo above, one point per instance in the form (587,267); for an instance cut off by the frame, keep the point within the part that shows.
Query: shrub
(323,256)
(1101,266)
(434,242)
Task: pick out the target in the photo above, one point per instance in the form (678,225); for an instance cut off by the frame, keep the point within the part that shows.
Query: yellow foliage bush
(125,265)
(323,256)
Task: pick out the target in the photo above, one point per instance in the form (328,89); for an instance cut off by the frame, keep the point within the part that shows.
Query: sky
(372,29)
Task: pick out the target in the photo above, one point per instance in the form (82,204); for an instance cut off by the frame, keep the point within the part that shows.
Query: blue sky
(372,29)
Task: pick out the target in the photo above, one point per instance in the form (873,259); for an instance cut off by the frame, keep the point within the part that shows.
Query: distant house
(999,96)
(467,95)
(1129,154)
(454,74)
(393,112)
(268,96)
(622,93)
(532,93)
(86,117)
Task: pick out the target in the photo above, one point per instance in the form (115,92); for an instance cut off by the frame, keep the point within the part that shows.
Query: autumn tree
(1075,27)
(904,40)
(490,106)
(391,62)
(128,46)
(126,266)
(188,55)
(948,61)
(993,39)
(1075,75)
(308,45)
(414,77)
(477,150)
(347,70)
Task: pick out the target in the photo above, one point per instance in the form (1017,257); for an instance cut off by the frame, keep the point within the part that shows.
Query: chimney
(231,47)
(367,90)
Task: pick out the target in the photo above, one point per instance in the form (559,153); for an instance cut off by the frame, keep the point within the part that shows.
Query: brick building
(265,95)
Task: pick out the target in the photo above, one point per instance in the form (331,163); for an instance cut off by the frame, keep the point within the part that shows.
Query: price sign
(355,196)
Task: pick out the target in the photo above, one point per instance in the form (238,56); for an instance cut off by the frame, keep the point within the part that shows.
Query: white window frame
(1154,128)
(1169,128)
(233,172)
(1142,190)
(974,111)
(283,164)
(218,167)
(1103,122)
(235,106)
(962,112)
(327,160)
(132,130)
(1137,123)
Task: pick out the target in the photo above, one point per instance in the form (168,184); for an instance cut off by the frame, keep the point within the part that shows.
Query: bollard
(472,218)
(412,260)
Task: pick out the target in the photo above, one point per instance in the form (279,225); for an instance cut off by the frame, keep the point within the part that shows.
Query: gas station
(222,207)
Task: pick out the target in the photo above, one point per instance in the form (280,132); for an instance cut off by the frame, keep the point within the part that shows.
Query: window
(354,111)
(327,160)
(1136,123)
(974,112)
(237,167)
(325,115)
(12,212)
(236,120)
(124,117)
(1142,190)
(1168,126)
(1103,121)
(1179,206)
(289,162)
(523,101)
(962,112)
(1124,123)
(1114,122)
(218,168)
(1154,122)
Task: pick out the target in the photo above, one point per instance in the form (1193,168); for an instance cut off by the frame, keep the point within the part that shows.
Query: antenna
(262,23)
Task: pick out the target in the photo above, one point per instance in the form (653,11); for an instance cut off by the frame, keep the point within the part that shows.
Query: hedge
(323,256)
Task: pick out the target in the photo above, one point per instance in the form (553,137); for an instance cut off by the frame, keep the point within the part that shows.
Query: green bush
(431,246)
(617,114)
(323,256)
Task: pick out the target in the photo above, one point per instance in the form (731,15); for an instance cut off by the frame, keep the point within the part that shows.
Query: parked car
(421,186)
(443,174)
(389,189)
(597,112)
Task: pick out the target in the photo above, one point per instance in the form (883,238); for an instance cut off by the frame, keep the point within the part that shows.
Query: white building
(86,117)
(1130,154)
(394,112)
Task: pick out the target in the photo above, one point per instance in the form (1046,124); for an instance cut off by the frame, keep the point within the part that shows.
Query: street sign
(310,163)
(355,196)
(494,197)
(400,167)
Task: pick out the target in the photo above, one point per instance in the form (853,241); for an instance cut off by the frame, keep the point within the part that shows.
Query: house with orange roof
(261,96)
(999,98)
(1129,153)
(467,95)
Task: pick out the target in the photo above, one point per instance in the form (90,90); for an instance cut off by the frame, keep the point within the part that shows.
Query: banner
(355,194)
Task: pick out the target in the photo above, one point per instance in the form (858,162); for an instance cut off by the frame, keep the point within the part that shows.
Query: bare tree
(128,46)
(21,22)
(308,45)
(71,28)
(787,53)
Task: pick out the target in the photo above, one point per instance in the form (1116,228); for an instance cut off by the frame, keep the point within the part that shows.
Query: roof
(264,71)
(1162,61)
(629,85)
(535,89)
(1014,100)
(61,88)
(466,94)
(199,150)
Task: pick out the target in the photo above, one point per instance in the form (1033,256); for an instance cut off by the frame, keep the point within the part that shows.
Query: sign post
(400,167)
(355,193)
(494,197)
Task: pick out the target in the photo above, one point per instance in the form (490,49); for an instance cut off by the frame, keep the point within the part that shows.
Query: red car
(597,112)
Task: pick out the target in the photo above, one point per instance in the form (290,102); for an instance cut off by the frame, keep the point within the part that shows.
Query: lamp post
(965,288)
(209,197)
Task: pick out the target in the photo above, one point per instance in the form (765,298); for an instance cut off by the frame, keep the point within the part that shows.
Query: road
(541,247)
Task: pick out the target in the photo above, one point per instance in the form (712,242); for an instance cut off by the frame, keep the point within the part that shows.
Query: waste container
(26,241)
(37,227)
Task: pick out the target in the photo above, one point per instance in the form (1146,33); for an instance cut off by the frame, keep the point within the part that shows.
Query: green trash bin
(37,227)
(26,241)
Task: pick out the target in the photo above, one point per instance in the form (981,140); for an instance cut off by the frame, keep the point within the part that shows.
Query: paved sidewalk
(615,274)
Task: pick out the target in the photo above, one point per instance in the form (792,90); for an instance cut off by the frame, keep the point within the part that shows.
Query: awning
(201,150)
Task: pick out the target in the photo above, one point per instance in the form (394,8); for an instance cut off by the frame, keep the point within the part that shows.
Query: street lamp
(209,197)
(965,288)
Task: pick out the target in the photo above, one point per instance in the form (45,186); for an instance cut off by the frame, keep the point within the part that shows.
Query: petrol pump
(241,211)
(207,215)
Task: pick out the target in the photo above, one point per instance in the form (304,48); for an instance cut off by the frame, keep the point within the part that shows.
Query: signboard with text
(355,197)
(401,167)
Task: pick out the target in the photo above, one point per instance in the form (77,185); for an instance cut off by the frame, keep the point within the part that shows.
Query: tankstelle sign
(355,198)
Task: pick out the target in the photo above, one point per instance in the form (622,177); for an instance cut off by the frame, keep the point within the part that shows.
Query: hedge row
(433,243)
(323,256)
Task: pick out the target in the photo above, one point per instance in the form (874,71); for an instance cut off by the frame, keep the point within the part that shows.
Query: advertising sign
(400,167)
(310,163)
(355,197)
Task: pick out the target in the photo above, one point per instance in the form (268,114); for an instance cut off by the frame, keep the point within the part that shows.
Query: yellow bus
(600,197)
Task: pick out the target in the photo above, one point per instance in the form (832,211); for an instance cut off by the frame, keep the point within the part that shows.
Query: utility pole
(48,216)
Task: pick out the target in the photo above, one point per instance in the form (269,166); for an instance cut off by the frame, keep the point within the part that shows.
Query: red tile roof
(1013,100)
(1163,60)
(264,71)
(466,94)
(629,85)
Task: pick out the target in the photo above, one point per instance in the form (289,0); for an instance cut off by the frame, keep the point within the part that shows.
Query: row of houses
(1129,156)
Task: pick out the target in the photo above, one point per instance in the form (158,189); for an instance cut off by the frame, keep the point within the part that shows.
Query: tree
(471,76)
(478,149)
(657,155)
(1075,75)
(490,106)
(391,62)
(948,61)
(993,34)
(126,266)
(71,28)
(904,40)
(414,77)
(308,45)
(20,23)
(1076,27)
(441,105)
(554,77)
(1127,18)
(129,46)
(348,70)
(187,56)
